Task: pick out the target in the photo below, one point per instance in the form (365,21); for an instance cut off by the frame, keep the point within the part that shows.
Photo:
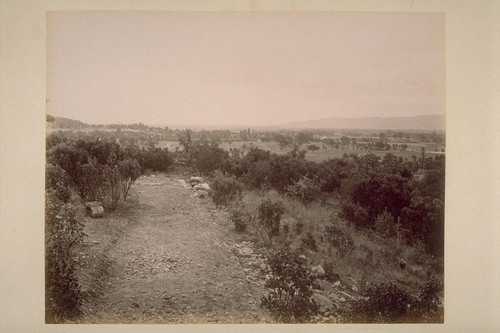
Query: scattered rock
(323,302)
(200,194)
(317,284)
(195,180)
(244,251)
(202,187)
(318,271)
(94,209)
(349,296)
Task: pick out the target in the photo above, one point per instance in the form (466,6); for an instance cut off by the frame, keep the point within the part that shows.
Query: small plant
(306,189)
(269,217)
(240,217)
(330,273)
(342,241)
(224,189)
(387,303)
(129,171)
(309,242)
(299,227)
(290,283)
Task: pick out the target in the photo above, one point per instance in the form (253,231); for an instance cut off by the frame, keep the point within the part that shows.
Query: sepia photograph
(271,166)
(245,167)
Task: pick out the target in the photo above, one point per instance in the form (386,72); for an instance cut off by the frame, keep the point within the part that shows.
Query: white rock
(202,187)
(318,271)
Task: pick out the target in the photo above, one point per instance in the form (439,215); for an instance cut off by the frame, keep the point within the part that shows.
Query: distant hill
(427,122)
(67,123)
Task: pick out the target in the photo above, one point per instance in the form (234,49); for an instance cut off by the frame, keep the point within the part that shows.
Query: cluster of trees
(99,170)
(378,194)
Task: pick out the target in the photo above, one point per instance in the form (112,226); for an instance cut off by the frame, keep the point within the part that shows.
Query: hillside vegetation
(372,224)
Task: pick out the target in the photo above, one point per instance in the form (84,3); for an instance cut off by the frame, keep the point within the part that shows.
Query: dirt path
(179,260)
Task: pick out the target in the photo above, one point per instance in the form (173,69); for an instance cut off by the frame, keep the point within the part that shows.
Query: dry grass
(373,259)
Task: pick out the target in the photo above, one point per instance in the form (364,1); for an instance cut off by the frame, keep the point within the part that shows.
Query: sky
(243,68)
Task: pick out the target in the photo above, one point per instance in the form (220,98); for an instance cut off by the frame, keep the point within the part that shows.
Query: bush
(62,232)
(241,218)
(269,217)
(306,189)
(387,303)
(339,239)
(224,189)
(290,284)
(355,214)
(129,171)
(309,242)
(330,273)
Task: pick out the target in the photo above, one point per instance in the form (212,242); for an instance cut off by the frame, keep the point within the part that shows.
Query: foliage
(269,217)
(309,242)
(312,148)
(62,232)
(387,303)
(206,156)
(155,159)
(385,224)
(306,189)
(339,239)
(290,283)
(129,171)
(113,186)
(224,189)
(57,180)
(240,217)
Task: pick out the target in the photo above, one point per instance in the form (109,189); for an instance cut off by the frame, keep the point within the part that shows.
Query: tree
(312,148)
(129,171)
(186,141)
(304,137)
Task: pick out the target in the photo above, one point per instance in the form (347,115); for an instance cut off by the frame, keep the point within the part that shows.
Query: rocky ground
(168,256)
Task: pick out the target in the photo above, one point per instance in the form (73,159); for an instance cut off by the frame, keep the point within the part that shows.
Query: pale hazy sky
(243,68)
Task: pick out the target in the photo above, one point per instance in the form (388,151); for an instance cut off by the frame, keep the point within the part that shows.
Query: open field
(414,149)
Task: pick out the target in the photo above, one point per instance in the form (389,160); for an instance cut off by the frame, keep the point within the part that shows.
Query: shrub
(113,183)
(309,242)
(224,189)
(330,273)
(355,214)
(269,217)
(384,224)
(339,239)
(241,218)
(290,283)
(298,227)
(62,232)
(306,189)
(129,171)
(387,303)
(57,180)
